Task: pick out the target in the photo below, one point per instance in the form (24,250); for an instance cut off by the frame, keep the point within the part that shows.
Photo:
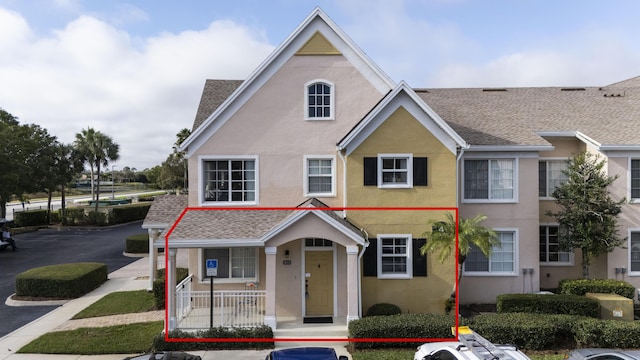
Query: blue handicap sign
(212,267)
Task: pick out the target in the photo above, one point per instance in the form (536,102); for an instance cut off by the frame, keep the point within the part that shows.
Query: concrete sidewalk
(131,277)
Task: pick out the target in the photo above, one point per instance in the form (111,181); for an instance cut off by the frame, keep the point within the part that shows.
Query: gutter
(364,248)
(344,182)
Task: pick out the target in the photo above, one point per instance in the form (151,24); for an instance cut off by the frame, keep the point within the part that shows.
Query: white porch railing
(231,308)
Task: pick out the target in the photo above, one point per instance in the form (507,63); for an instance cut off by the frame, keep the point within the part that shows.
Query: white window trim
(305,180)
(203,279)
(201,195)
(516,257)
(409,183)
(629,232)
(409,273)
(571,261)
(332,107)
(516,180)
(556,159)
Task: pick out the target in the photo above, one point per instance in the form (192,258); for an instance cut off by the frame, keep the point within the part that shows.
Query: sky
(135,70)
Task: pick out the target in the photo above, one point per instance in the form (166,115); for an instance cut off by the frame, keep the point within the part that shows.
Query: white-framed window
(550,253)
(634,179)
(230,180)
(634,251)
(235,265)
(550,176)
(319,175)
(501,261)
(395,170)
(489,180)
(319,100)
(394,256)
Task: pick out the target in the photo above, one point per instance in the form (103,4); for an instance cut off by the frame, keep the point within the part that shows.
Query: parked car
(305,353)
(470,346)
(604,354)
(166,355)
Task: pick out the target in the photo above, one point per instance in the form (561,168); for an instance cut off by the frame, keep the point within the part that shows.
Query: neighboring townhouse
(313,181)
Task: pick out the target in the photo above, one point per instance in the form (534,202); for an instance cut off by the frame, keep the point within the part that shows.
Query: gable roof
(316,22)
(401,96)
(215,92)
(519,117)
(216,227)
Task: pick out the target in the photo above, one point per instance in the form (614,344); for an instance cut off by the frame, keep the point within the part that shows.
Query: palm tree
(97,149)
(442,239)
(84,144)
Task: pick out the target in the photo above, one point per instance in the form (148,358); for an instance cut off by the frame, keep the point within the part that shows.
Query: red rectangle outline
(350,340)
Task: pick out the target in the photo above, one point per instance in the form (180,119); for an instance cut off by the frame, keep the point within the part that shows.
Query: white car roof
(462,352)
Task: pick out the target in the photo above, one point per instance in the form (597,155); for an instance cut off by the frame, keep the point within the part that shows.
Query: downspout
(344,183)
(458,177)
(364,247)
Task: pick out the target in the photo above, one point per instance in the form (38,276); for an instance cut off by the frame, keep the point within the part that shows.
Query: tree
(587,218)
(97,149)
(173,171)
(442,239)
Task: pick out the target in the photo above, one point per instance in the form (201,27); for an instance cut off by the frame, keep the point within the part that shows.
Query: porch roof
(164,211)
(207,227)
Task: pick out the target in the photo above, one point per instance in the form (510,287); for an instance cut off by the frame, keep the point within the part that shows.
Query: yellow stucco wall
(402,133)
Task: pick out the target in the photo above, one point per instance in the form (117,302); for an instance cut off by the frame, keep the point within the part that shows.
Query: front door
(319,283)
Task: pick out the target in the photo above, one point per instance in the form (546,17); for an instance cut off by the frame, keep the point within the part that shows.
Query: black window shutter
(419,261)
(371,171)
(419,171)
(370,259)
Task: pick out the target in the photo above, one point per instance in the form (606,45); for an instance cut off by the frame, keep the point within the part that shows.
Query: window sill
(556,264)
(488,201)
(395,277)
(320,194)
(228,203)
(395,186)
(491,274)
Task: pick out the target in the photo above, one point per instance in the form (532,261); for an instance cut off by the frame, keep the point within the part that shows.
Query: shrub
(31,218)
(399,326)
(73,216)
(548,304)
(527,331)
(137,244)
(65,281)
(96,218)
(127,213)
(607,333)
(159,285)
(262,332)
(382,309)
(607,286)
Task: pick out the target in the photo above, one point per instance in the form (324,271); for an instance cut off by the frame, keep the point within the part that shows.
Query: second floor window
(229,180)
(319,101)
(635,179)
(501,261)
(319,176)
(489,179)
(550,176)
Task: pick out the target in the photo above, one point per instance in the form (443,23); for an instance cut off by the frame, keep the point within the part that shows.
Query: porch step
(311,334)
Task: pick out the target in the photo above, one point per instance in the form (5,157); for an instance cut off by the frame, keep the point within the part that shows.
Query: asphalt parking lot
(58,246)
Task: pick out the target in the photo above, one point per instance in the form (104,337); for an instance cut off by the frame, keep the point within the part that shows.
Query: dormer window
(319,100)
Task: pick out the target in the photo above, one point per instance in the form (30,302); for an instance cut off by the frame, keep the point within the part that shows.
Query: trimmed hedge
(159,285)
(383,309)
(137,244)
(262,332)
(527,331)
(31,218)
(607,334)
(607,286)
(128,213)
(399,326)
(548,304)
(64,281)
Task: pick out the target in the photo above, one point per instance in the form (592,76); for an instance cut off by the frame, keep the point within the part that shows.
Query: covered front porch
(288,268)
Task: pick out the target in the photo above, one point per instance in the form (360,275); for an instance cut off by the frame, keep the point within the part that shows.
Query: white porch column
(170,278)
(270,286)
(154,234)
(352,283)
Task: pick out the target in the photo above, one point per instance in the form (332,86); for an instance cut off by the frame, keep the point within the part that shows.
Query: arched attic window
(319,100)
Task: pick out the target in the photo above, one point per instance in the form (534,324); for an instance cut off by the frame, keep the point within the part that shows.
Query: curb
(11,302)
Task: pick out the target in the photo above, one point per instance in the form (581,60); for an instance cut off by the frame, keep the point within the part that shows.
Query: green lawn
(123,302)
(120,339)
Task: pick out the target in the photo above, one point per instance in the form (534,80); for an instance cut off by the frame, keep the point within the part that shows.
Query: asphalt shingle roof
(215,92)
(165,209)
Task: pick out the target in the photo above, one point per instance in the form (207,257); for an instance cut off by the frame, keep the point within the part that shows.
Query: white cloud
(141,93)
